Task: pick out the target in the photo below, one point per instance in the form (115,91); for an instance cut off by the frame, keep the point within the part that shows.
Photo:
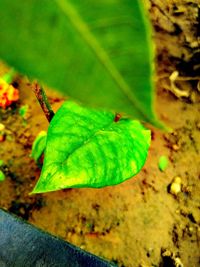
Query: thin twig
(43,100)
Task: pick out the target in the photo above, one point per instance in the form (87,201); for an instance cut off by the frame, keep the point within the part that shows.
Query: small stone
(175,147)
(175,186)
(175,189)
(27,134)
(166,253)
(2,127)
(178,180)
(191,229)
(178,262)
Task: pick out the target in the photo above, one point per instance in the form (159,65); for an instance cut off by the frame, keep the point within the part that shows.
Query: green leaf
(99,52)
(8,77)
(2,176)
(23,111)
(1,162)
(39,145)
(163,163)
(87,148)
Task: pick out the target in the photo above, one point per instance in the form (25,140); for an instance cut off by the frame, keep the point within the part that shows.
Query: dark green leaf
(96,51)
(87,148)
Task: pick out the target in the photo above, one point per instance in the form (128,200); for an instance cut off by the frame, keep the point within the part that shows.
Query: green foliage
(87,148)
(2,176)
(23,111)
(8,77)
(163,163)
(39,145)
(100,53)
(96,51)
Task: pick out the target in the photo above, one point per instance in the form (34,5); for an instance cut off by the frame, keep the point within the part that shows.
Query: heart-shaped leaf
(99,52)
(88,148)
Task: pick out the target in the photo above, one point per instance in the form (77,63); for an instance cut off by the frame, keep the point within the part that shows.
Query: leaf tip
(39,188)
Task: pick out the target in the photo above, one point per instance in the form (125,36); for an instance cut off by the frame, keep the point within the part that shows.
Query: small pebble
(2,127)
(175,186)
(178,262)
(175,147)
(191,229)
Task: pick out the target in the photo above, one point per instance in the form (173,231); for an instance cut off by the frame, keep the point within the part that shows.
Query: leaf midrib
(81,27)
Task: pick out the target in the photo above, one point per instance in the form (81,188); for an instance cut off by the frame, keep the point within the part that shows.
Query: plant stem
(43,100)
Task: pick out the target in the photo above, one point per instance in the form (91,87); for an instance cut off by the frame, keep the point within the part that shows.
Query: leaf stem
(43,100)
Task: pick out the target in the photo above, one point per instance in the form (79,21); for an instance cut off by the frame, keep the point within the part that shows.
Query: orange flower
(8,94)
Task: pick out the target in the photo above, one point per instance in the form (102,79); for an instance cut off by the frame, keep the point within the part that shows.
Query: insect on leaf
(88,148)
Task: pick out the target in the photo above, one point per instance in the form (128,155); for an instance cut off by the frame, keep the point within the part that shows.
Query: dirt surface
(149,220)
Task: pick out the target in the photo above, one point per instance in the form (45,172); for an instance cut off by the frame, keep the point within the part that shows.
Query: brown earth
(139,222)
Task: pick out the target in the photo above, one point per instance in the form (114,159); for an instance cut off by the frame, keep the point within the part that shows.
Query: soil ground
(139,223)
(136,223)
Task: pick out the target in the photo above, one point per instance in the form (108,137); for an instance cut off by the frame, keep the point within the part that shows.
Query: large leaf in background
(96,51)
(87,148)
